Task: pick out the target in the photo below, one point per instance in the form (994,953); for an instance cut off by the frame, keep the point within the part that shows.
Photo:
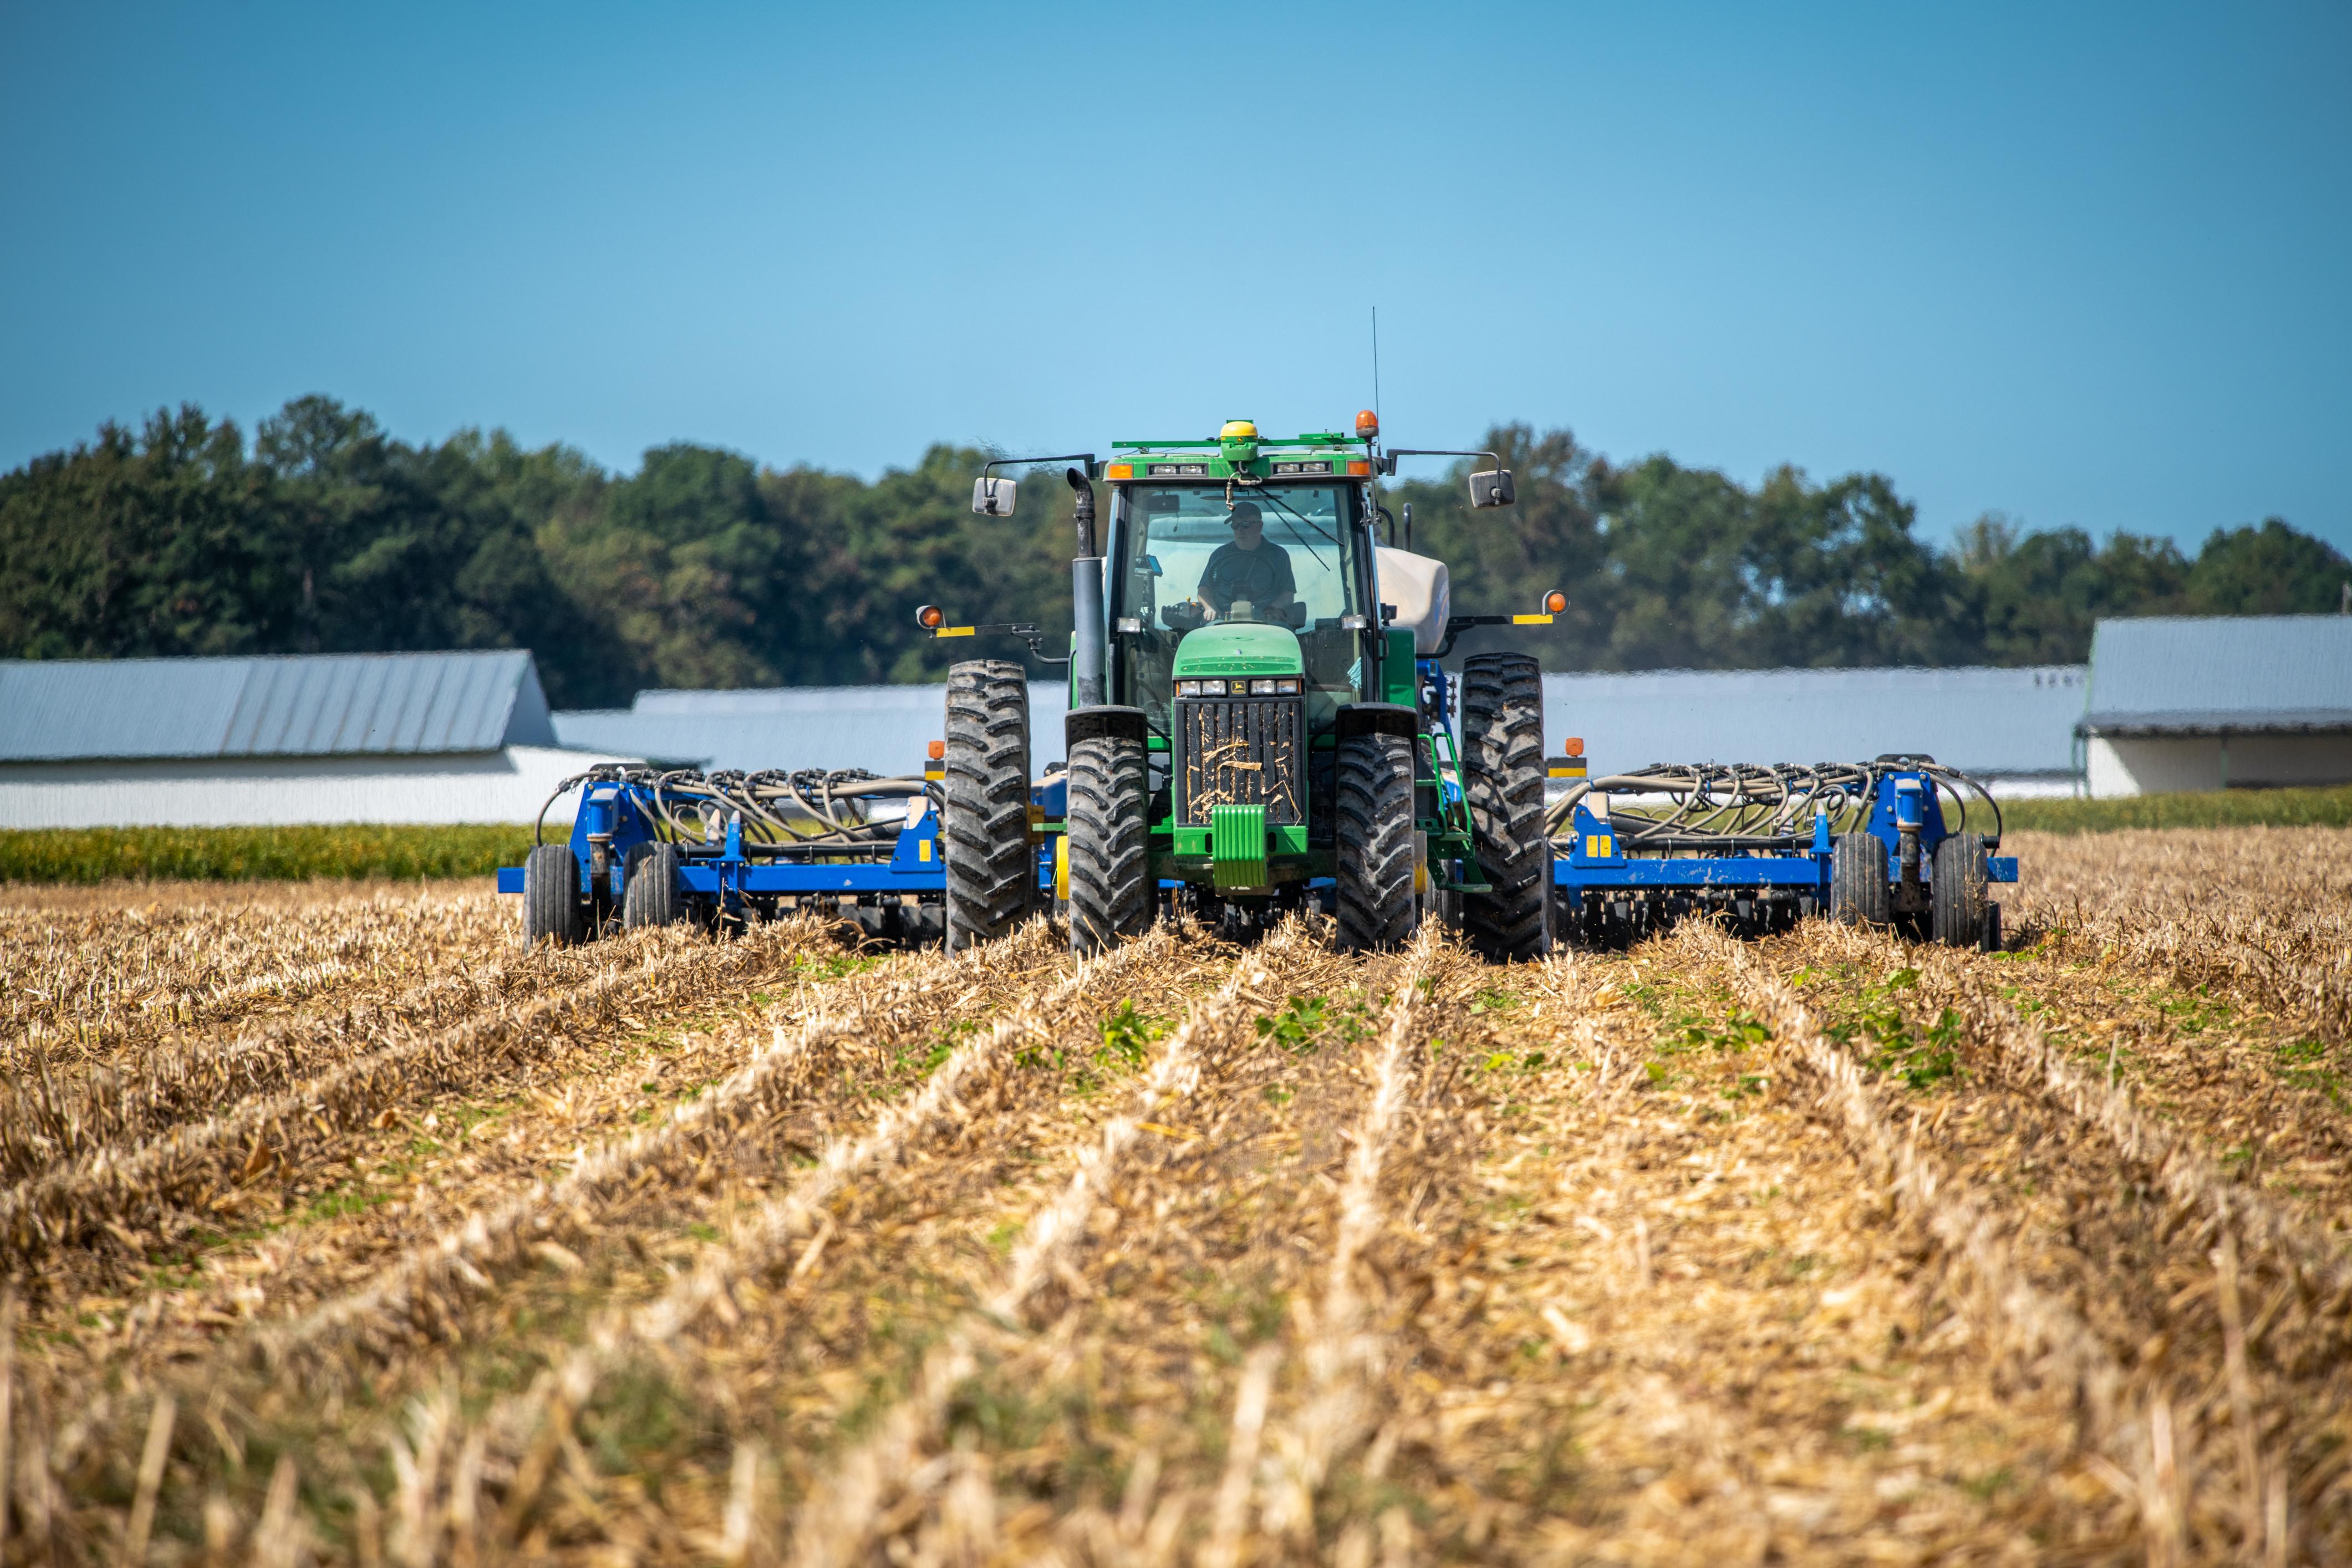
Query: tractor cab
(1299,547)
(1240,597)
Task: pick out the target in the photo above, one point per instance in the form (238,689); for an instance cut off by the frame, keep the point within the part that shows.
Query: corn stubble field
(340,1228)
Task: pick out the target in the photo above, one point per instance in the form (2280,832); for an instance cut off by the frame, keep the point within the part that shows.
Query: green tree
(2040,592)
(147,544)
(2267,570)
(704,569)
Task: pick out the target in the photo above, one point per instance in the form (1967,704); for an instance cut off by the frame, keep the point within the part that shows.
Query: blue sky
(2080,265)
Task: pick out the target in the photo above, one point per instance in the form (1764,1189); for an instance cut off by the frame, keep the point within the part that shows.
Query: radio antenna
(1376,362)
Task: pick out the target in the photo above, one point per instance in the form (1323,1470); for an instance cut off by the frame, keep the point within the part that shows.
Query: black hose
(821,794)
(1729,808)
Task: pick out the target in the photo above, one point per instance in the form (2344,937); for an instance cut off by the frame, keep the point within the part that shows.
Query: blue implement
(740,847)
(1634,852)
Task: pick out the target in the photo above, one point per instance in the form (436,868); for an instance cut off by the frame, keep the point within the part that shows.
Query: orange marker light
(1119,471)
(938,748)
(930,617)
(1555,601)
(1368,425)
(1574,746)
(1359,468)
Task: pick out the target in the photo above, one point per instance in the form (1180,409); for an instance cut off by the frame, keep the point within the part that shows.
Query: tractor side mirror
(992,497)
(1492,488)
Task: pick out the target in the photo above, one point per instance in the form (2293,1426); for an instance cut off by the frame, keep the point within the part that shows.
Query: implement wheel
(1860,894)
(551,897)
(1503,782)
(651,898)
(984,827)
(1373,824)
(1957,908)
(1111,892)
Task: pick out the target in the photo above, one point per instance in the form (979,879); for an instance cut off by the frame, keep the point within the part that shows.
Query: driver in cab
(1248,579)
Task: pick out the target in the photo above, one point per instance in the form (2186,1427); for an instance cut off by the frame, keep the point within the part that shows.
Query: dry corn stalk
(123,1190)
(1340,1355)
(837,1522)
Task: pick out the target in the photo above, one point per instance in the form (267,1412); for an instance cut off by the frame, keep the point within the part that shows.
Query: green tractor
(1258,720)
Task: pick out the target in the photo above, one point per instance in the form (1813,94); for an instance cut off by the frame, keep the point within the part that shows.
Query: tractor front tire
(1503,783)
(1111,894)
(991,872)
(1860,894)
(1956,908)
(1372,822)
(651,898)
(551,897)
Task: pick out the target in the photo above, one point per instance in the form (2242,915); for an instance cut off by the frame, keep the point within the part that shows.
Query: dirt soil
(336,1227)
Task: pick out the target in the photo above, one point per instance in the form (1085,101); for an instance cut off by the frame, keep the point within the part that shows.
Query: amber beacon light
(1368,425)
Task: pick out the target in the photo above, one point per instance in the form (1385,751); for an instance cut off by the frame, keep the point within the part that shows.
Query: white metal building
(882,729)
(418,737)
(2201,703)
(2013,728)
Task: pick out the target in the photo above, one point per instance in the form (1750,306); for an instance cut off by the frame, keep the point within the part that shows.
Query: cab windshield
(1281,555)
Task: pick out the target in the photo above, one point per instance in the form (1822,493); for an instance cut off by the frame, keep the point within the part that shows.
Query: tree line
(323,533)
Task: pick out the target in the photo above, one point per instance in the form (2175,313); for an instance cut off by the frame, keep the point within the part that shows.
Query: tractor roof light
(1368,425)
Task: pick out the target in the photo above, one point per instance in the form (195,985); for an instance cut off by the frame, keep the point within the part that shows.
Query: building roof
(1985,721)
(312,705)
(2219,674)
(881,729)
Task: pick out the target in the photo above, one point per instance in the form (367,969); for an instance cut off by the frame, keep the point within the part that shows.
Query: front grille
(1241,752)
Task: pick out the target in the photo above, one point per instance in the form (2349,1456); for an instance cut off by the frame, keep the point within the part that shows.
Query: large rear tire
(990,871)
(1860,894)
(652,897)
(1110,847)
(1503,782)
(1957,901)
(1372,828)
(551,896)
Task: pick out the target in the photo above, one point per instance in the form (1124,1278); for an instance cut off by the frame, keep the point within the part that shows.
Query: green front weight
(1237,845)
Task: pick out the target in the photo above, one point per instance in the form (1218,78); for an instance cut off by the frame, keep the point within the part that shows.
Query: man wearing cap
(1248,579)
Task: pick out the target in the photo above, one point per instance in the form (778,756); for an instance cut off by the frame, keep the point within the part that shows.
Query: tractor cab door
(1183,557)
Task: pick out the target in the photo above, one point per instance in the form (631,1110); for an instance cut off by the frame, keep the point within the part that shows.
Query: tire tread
(990,871)
(1110,847)
(551,896)
(1373,828)
(1859,891)
(1503,784)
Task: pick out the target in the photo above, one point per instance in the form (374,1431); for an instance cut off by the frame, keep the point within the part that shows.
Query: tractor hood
(1241,647)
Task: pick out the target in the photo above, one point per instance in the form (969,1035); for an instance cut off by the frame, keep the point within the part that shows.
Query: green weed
(2311,1064)
(1922,1061)
(1296,1026)
(1128,1036)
